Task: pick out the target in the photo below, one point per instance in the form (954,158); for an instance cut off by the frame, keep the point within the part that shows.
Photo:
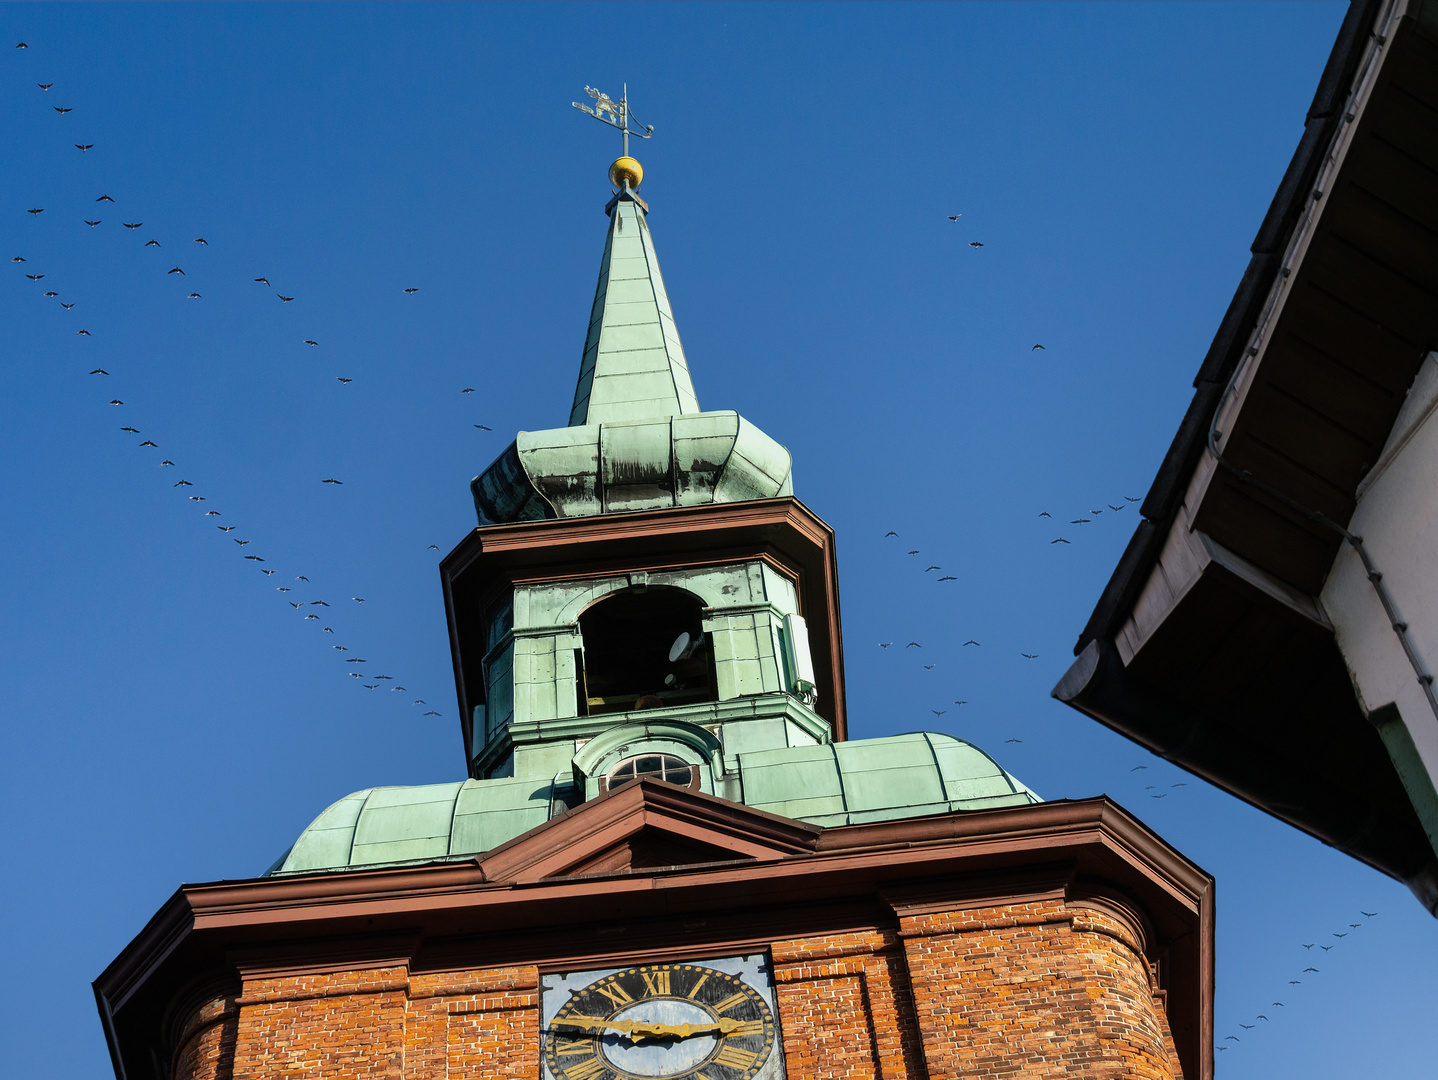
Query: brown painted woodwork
(560,898)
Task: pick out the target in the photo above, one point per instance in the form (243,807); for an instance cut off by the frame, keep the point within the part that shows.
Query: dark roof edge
(1166,492)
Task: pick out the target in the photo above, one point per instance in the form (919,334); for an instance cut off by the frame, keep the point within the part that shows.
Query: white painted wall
(1397,517)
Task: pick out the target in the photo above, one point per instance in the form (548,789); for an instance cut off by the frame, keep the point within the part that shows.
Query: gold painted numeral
(615,993)
(656,983)
(585,1070)
(748,1027)
(702,979)
(576,1048)
(730,1001)
(735,1057)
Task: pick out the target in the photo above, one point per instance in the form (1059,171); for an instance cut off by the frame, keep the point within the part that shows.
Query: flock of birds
(316,610)
(1310,959)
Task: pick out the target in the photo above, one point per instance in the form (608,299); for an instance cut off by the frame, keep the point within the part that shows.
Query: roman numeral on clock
(735,1057)
(573,1048)
(656,982)
(730,1001)
(585,1070)
(748,1027)
(615,993)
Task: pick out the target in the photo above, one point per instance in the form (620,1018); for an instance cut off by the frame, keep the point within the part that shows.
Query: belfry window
(665,767)
(645,648)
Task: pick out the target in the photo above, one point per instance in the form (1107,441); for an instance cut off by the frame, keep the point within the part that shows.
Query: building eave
(1209,645)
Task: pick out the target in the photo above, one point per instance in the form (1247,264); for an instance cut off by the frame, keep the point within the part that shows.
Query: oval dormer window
(666,767)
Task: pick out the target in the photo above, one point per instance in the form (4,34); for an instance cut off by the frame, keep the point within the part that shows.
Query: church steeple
(633,366)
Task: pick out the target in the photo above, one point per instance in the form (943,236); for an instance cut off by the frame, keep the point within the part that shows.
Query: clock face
(705,1021)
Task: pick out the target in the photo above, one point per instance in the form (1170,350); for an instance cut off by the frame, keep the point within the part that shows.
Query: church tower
(667,860)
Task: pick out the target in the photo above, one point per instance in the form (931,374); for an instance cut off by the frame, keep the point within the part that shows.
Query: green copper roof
(832,784)
(633,366)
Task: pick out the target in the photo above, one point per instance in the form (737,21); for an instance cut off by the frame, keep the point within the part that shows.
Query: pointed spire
(633,366)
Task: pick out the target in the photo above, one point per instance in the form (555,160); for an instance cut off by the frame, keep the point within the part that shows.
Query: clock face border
(753,970)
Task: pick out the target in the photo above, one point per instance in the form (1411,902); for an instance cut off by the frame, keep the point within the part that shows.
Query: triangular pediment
(647,825)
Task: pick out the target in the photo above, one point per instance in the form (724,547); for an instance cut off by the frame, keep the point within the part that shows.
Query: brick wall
(1043,989)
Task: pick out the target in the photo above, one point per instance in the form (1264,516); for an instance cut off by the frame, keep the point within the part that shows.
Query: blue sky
(169,717)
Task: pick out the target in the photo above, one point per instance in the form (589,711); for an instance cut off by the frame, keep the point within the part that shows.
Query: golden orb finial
(626,169)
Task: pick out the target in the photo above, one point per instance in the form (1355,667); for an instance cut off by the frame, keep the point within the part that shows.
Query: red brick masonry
(1058,940)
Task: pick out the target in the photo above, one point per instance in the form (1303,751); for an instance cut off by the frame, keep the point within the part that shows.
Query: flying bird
(890,533)
(975,244)
(22,45)
(82,147)
(67,307)
(1060,540)
(263,280)
(82,333)
(194,296)
(433,547)
(955,217)
(1029,655)
(268,573)
(152,243)
(131,430)
(92,224)
(483,428)
(1340,935)
(301,577)
(45,85)
(166,463)
(320,603)
(254,558)
(1045,513)
(928,667)
(175,270)
(132,226)
(311,344)
(1130,498)
(928,568)
(971,641)
(961,703)
(357,599)
(467,390)
(1370,914)
(1080,521)
(62,112)
(1037,347)
(18,258)
(99,371)
(331,480)
(1260,1016)
(885,644)
(197,498)
(1312,969)
(410,292)
(433,712)
(1013,740)
(202,240)
(294,605)
(225,528)
(150,442)
(1163,796)
(36,210)
(913,645)
(948,577)
(104,198)
(242,543)
(914,552)
(52,294)
(1326,948)
(212,513)
(284,299)
(34,277)
(342,379)
(938,712)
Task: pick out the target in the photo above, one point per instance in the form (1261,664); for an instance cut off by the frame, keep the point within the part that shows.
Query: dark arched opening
(643,648)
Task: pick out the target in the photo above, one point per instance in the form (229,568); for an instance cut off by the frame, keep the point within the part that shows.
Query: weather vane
(614,113)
